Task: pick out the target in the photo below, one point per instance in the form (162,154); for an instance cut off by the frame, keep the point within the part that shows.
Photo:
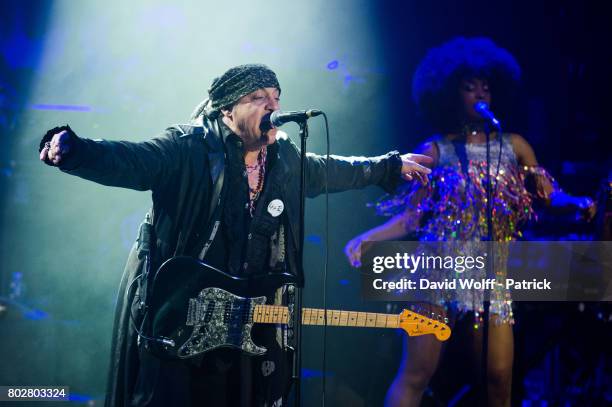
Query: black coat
(180,168)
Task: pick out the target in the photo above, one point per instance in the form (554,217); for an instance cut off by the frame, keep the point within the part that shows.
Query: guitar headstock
(416,324)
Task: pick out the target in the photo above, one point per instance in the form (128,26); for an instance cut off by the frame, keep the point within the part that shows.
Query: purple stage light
(332,65)
(72,108)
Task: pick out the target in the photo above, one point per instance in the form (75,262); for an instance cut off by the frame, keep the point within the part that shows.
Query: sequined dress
(452,207)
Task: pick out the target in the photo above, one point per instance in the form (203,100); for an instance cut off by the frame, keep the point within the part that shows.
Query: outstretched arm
(139,166)
(345,173)
(545,189)
(386,171)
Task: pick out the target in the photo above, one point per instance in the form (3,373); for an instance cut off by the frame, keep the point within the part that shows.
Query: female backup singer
(448,83)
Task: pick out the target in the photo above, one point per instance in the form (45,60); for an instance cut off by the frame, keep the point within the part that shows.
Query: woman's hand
(352,250)
(586,208)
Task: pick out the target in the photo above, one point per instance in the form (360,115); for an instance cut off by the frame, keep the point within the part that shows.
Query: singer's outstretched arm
(134,165)
(545,189)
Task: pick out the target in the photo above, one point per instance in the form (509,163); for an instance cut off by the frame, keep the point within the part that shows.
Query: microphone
(482,108)
(277,118)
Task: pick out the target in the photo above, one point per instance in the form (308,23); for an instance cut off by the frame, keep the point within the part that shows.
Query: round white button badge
(276,207)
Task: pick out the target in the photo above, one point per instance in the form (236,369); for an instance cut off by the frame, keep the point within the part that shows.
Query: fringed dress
(453,206)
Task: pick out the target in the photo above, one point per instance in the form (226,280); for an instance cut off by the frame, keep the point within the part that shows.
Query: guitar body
(200,308)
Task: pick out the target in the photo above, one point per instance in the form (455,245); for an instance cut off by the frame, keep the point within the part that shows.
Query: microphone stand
(297,329)
(486,294)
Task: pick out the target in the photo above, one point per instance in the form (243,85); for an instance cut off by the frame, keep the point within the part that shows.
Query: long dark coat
(180,168)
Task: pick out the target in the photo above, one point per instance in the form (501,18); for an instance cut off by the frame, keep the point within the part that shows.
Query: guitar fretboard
(277,314)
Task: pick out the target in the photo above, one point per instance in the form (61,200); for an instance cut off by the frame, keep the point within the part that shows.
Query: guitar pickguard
(220,318)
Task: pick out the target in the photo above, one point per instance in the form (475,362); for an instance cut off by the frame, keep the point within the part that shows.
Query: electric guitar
(195,308)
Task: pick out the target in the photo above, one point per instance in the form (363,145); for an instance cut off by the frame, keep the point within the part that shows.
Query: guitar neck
(277,314)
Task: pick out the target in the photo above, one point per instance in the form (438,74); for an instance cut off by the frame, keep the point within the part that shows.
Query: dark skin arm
(399,225)
(556,201)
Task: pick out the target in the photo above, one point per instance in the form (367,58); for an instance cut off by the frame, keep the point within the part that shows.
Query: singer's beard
(252,137)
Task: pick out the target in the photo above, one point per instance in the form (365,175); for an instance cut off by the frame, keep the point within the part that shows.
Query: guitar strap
(214,211)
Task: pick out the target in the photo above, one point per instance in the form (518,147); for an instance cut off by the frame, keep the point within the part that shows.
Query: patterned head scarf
(238,82)
(231,86)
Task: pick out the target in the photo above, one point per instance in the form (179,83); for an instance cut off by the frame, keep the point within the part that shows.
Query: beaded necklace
(261,166)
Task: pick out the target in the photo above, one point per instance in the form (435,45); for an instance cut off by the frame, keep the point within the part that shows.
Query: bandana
(238,82)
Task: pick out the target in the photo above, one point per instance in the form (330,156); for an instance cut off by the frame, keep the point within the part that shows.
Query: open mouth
(265,124)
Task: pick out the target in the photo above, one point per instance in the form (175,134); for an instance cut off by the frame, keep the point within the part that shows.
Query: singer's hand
(587,209)
(412,168)
(54,150)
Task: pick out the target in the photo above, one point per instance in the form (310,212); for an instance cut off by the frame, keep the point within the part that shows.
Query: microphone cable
(160,340)
(325,267)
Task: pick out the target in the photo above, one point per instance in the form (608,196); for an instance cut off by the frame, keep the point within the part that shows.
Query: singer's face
(472,91)
(245,117)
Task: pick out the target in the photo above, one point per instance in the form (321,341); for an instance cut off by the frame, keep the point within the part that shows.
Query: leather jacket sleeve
(134,165)
(349,172)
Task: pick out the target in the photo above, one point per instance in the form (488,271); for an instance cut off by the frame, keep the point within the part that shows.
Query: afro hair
(436,81)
